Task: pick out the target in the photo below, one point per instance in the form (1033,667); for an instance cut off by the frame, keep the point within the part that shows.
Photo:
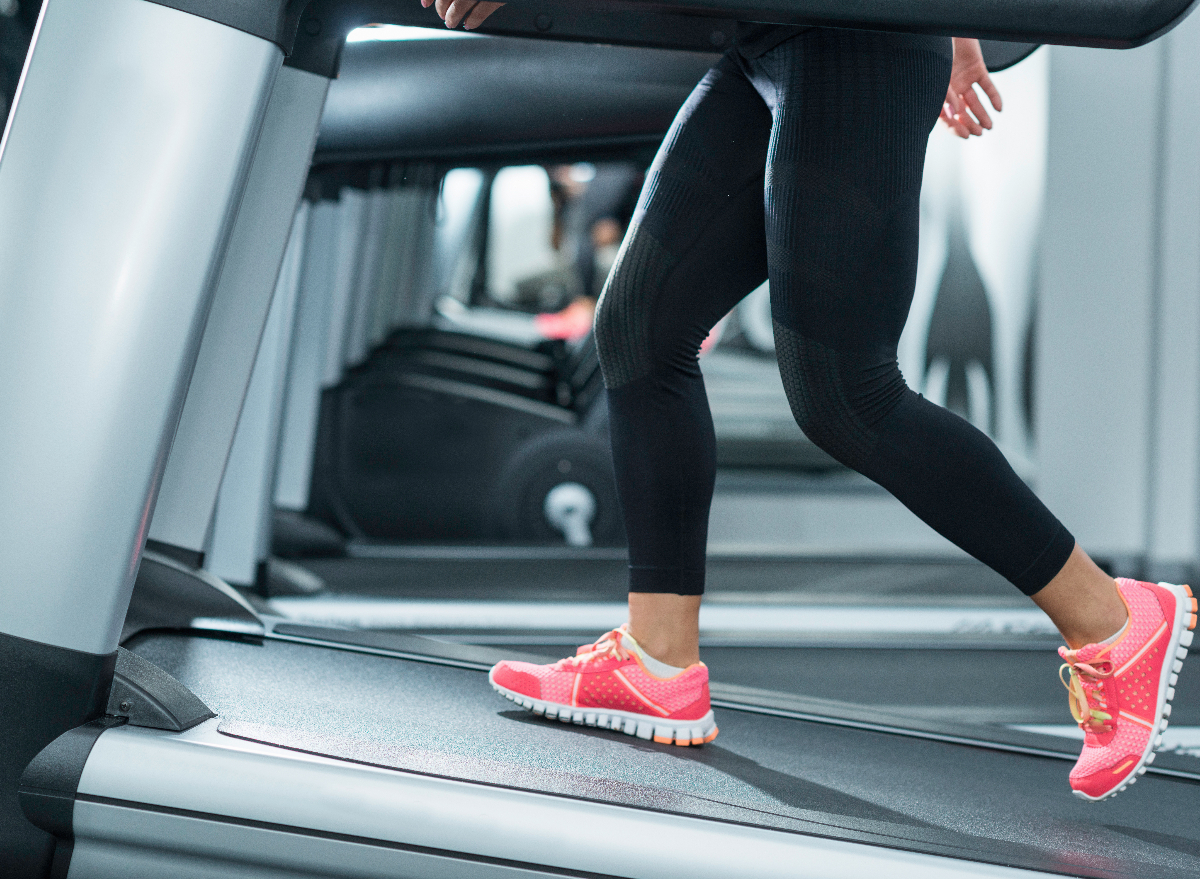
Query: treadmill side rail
(153,804)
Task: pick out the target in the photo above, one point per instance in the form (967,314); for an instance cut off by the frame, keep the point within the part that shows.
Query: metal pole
(120,173)
(184,515)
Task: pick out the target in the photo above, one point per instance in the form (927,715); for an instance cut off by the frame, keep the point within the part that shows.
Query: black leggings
(805,165)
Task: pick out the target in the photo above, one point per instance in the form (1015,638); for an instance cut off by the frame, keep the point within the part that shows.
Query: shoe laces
(608,646)
(1085,690)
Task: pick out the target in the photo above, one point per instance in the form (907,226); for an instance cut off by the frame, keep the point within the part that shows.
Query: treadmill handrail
(1100,23)
(316,40)
(1105,24)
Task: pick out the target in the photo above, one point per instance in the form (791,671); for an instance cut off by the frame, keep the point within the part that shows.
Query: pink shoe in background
(571,324)
(606,685)
(1121,693)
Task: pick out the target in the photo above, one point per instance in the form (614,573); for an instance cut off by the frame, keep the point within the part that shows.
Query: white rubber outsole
(665,732)
(1181,639)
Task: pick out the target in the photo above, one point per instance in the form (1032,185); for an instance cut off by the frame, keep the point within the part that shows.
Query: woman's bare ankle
(1083,602)
(666,626)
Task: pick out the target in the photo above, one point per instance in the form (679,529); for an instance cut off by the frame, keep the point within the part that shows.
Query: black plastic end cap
(49,783)
(147,696)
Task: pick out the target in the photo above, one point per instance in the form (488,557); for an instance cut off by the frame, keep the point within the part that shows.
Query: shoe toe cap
(1100,781)
(516,676)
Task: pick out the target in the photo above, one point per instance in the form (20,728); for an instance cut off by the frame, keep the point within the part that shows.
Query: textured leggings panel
(803,165)
(645,265)
(839,400)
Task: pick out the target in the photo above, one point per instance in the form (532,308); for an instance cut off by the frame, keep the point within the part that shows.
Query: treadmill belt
(778,772)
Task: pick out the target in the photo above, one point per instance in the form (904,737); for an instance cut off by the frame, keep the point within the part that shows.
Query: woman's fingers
(480,13)
(952,122)
(955,123)
(950,118)
(977,108)
(954,99)
(964,121)
(993,93)
(469,13)
(458,10)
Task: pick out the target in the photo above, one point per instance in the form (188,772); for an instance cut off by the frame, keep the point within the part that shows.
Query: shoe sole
(1182,633)
(665,732)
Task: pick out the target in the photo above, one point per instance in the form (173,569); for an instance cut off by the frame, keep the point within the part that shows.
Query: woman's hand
(963,111)
(469,13)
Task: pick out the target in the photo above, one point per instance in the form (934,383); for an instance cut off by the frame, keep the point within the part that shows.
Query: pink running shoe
(606,685)
(1121,693)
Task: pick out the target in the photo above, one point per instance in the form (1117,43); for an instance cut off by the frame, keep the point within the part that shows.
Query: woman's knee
(625,310)
(839,399)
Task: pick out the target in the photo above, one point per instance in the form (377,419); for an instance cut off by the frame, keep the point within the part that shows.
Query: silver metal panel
(310,340)
(211,850)
(201,771)
(119,179)
(1095,328)
(241,527)
(408,255)
(239,310)
(397,238)
(367,273)
(351,235)
(1173,552)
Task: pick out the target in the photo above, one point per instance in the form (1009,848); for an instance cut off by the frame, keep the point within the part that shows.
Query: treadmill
(141,179)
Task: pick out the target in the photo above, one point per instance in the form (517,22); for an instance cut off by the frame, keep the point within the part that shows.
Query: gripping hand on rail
(469,13)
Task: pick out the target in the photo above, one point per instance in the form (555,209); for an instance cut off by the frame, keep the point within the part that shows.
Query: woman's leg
(695,248)
(852,115)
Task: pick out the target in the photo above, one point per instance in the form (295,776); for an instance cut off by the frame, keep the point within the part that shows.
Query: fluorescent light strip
(379,33)
(598,616)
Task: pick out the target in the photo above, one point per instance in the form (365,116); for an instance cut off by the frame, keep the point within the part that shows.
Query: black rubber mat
(889,790)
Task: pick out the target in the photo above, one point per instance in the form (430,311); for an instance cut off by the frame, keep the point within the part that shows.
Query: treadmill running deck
(885,789)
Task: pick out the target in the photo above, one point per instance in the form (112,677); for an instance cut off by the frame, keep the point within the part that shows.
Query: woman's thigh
(696,245)
(852,114)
